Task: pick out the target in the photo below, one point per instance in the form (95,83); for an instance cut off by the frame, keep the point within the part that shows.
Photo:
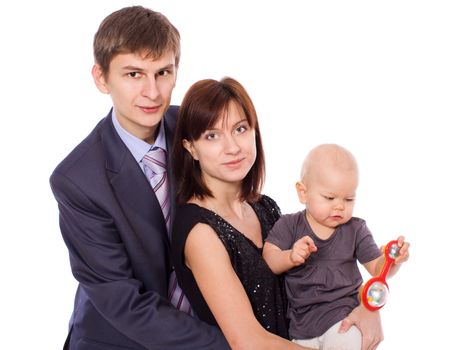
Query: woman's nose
(231,144)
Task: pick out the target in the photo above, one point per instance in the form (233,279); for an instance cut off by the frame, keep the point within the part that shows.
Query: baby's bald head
(325,158)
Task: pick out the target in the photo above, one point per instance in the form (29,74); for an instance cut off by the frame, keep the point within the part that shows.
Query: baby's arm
(281,261)
(374,267)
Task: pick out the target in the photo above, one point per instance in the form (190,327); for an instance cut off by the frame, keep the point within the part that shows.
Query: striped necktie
(155,170)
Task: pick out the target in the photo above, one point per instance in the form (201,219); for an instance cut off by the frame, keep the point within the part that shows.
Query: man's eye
(134,74)
(163,73)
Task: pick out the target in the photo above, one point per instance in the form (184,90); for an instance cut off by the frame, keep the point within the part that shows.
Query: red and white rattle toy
(375,292)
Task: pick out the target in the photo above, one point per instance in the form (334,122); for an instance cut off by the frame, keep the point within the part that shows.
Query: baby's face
(330,196)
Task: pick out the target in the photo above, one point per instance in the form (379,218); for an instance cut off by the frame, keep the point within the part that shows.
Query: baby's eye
(328,198)
(349,199)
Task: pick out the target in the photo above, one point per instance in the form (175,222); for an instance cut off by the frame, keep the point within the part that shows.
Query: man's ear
(301,191)
(190,148)
(99,79)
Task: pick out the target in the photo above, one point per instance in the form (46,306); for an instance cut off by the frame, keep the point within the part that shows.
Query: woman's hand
(369,323)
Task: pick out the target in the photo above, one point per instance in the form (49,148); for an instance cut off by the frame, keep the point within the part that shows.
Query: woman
(223,219)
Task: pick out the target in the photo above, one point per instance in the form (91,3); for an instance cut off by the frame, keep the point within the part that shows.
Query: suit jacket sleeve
(101,263)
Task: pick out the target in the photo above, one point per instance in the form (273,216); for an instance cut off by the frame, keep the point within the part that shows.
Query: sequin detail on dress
(264,289)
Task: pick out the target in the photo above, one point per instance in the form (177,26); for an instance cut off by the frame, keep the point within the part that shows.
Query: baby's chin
(335,221)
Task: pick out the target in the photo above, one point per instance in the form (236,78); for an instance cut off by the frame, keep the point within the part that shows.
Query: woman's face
(227,151)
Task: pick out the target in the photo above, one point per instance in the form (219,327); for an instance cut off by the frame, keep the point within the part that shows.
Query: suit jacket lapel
(131,187)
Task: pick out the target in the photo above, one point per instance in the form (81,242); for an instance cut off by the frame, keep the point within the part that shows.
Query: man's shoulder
(173,110)
(85,151)
(170,116)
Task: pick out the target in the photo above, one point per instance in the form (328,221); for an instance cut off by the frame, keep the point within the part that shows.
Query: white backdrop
(372,76)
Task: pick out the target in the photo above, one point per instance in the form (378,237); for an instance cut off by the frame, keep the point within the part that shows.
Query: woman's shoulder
(268,203)
(186,211)
(266,207)
(189,215)
(186,217)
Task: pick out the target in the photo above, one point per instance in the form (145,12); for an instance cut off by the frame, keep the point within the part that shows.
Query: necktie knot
(155,160)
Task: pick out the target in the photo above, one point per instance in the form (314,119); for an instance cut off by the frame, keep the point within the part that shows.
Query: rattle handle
(388,261)
(387,265)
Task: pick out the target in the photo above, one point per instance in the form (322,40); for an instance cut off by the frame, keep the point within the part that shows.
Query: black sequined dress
(264,289)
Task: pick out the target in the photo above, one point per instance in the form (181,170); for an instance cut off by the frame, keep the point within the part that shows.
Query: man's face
(140,89)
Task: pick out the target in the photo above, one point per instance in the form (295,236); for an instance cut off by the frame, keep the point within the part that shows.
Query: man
(111,218)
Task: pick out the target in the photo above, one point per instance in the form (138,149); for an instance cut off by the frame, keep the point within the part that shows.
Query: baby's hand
(404,251)
(301,250)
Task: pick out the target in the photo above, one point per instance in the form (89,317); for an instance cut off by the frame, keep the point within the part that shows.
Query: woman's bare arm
(208,259)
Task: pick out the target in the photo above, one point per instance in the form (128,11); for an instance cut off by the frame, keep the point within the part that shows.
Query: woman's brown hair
(203,105)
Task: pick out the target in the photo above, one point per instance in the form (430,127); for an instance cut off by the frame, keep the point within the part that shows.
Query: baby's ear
(301,191)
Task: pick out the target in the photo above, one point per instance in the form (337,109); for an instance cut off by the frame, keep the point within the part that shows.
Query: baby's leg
(333,340)
(313,343)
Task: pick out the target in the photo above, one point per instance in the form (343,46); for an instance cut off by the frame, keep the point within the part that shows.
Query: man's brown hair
(135,29)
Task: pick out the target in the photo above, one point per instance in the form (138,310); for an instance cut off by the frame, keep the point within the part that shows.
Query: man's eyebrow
(168,66)
(133,68)
(140,69)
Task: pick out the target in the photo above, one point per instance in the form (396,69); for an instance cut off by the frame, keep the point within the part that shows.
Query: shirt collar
(135,145)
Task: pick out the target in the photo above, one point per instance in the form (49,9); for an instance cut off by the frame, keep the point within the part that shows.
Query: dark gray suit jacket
(119,252)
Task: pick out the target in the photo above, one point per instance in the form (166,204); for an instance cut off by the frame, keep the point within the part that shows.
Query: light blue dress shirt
(138,147)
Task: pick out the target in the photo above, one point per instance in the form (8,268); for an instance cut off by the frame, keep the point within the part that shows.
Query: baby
(318,249)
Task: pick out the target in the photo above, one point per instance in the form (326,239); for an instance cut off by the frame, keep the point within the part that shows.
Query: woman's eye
(240,129)
(211,136)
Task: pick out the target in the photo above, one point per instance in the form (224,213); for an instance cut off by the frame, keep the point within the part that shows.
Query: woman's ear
(99,79)
(189,146)
(301,191)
